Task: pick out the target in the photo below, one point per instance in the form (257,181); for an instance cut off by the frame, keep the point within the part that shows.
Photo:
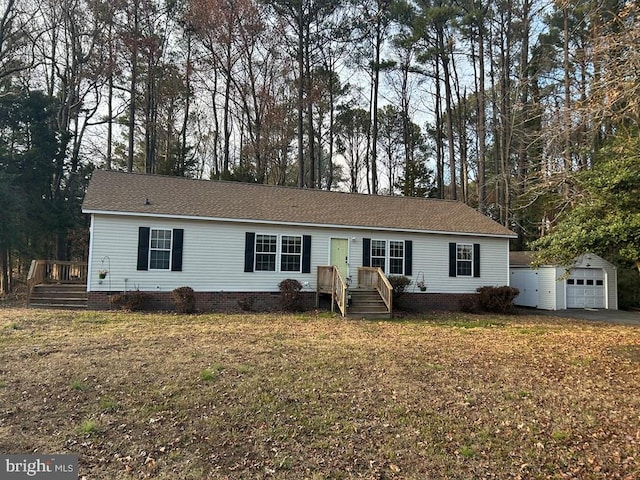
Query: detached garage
(591,283)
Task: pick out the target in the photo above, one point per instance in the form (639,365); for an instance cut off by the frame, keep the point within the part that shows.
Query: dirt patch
(311,396)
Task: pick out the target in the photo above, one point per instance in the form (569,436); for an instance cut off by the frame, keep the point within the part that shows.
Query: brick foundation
(269,301)
(425,302)
(209,301)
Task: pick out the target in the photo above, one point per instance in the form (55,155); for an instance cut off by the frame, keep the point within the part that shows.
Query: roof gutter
(298,224)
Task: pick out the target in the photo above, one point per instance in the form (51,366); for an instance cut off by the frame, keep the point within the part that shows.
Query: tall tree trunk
(374,108)
(567,100)
(226,114)
(444,56)
(332,116)
(310,133)
(438,131)
(482,129)
(300,105)
(187,106)
(132,88)
(5,276)
(109,159)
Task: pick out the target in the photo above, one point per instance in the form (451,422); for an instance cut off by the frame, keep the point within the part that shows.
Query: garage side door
(525,280)
(585,288)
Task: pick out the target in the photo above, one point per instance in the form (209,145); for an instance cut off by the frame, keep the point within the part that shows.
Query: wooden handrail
(374,277)
(54,271)
(329,280)
(340,291)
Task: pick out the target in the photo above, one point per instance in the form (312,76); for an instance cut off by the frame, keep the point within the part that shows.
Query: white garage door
(585,288)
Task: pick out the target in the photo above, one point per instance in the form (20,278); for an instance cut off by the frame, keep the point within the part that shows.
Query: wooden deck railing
(373,277)
(55,271)
(330,281)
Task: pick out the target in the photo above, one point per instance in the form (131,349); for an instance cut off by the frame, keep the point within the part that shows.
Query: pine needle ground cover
(285,397)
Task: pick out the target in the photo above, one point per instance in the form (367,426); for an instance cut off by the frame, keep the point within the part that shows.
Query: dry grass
(215,396)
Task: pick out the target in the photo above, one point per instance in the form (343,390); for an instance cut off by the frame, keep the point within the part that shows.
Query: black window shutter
(476,259)
(306,254)
(176,250)
(366,252)
(143,248)
(249,246)
(408,258)
(453,257)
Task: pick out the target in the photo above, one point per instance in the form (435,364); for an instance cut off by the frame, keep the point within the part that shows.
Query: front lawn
(287,397)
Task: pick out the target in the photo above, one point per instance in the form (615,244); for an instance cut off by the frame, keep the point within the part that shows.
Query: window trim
(152,249)
(459,260)
(387,255)
(475,260)
(299,255)
(177,249)
(402,258)
(278,253)
(256,253)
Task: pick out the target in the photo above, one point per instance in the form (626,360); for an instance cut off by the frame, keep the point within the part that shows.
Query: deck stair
(366,303)
(68,296)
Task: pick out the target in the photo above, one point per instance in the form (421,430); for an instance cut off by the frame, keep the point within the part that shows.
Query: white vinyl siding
(214,252)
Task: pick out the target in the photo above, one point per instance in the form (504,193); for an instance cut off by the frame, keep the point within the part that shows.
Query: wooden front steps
(49,295)
(367,303)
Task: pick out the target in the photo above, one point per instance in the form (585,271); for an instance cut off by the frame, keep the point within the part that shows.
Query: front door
(339,256)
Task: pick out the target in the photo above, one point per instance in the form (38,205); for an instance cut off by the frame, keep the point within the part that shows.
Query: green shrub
(497,299)
(184,299)
(399,283)
(290,298)
(131,301)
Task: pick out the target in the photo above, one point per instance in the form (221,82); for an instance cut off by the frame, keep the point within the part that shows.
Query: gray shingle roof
(520,258)
(119,192)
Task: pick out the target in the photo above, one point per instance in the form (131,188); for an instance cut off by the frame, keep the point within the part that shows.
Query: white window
(290,253)
(396,257)
(160,249)
(388,255)
(379,254)
(266,252)
(464,260)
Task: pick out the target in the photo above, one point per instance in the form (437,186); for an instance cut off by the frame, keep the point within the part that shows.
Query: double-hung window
(277,253)
(396,257)
(388,255)
(290,253)
(160,249)
(271,251)
(379,254)
(266,252)
(464,260)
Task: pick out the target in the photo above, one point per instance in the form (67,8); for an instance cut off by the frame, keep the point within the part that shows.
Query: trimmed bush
(131,301)
(184,299)
(290,295)
(469,303)
(497,299)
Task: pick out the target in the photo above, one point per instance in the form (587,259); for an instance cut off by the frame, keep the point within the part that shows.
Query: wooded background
(501,105)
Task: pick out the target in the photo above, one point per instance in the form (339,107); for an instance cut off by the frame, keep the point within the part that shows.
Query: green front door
(340,255)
